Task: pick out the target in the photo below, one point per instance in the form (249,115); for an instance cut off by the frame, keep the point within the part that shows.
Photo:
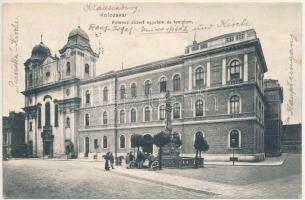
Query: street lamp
(233,141)
(134,146)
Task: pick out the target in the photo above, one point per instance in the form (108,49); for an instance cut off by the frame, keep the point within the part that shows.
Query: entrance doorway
(148,144)
(48,148)
(87,147)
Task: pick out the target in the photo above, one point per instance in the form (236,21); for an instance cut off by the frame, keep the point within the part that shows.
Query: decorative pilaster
(208,74)
(223,71)
(246,67)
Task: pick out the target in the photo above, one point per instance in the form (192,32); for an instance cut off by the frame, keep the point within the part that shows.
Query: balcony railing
(234,81)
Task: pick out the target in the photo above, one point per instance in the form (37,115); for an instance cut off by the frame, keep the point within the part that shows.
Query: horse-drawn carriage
(149,162)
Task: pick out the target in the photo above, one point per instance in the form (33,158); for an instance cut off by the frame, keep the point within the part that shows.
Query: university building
(216,87)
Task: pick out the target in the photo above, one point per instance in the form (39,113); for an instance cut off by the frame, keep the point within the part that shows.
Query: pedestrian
(131,157)
(140,159)
(111,160)
(106,157)
(127,159)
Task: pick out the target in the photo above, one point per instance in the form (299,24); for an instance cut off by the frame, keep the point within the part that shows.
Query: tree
(176,139)
(200,145)
(160,140)
(137,140)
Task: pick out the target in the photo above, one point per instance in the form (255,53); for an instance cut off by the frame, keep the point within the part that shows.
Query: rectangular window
(195,48)
(203,46)
(230,39)
(240,36)
(30,128)
(39,117)
(56,116)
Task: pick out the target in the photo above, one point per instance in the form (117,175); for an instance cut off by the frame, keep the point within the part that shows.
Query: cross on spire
(79,22)
(40,38)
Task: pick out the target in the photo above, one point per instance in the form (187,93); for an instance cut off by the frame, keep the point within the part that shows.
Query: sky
(278,26)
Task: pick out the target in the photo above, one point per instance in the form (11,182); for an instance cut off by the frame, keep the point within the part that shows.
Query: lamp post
(134,146)
(233,145)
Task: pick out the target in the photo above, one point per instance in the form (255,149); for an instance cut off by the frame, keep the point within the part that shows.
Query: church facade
(216,88)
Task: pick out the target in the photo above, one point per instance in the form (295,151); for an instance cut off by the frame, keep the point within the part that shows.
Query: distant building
(273,122)
(292,138)
(217,87)
(14,135)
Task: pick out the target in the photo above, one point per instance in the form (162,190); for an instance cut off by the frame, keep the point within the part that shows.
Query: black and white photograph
(151,100)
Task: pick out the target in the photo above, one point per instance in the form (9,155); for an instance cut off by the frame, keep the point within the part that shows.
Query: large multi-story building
(216,88)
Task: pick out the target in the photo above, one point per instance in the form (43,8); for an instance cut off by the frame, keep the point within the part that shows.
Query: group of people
(140,159)
(109,161)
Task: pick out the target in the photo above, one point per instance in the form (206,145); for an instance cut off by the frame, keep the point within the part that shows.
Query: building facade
(273,121)
(216,87)
(13,135)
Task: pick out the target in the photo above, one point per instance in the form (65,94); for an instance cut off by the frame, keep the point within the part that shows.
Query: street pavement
(75,179)
(79,179)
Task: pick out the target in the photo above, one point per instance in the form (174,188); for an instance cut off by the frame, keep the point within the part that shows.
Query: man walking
(111,160)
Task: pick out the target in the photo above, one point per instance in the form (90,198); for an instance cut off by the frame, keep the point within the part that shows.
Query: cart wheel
(132,165)
(155,165)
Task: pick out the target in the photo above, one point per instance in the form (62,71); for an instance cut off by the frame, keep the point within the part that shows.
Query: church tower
(77,57)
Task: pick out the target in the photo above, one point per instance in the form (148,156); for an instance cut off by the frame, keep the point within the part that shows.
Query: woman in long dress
(106,157)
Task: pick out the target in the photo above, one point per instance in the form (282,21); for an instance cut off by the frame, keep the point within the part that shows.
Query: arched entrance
(87,147)
(148,144)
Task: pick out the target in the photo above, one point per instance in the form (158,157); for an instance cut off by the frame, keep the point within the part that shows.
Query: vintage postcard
(151,100)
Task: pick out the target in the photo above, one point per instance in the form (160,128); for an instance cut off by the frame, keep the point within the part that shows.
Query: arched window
(87,70)
(39,116)
(147,114)
(162,112)
(87,120)
(234,139)
(200,77)
(197,134)
(199,107)
(122,92)
(133,115)
(122,141)
(56,115)
(105,142)
(68,122)
(133,90)
(147,87)
(234,104)
(105,118)
(235,69)
(105,94)
(176,110)
(68,69)
(163,84)
(47,114)
(30,80)
(122,116)
(176,82)
(87,97)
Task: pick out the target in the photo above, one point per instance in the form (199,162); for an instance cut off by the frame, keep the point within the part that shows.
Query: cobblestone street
(82,179)
(76,179)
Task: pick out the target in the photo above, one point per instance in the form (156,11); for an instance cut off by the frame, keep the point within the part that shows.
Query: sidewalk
(269,161)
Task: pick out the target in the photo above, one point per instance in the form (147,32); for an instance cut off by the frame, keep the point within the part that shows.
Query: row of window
(199,108)
(234,140)
(200,82)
